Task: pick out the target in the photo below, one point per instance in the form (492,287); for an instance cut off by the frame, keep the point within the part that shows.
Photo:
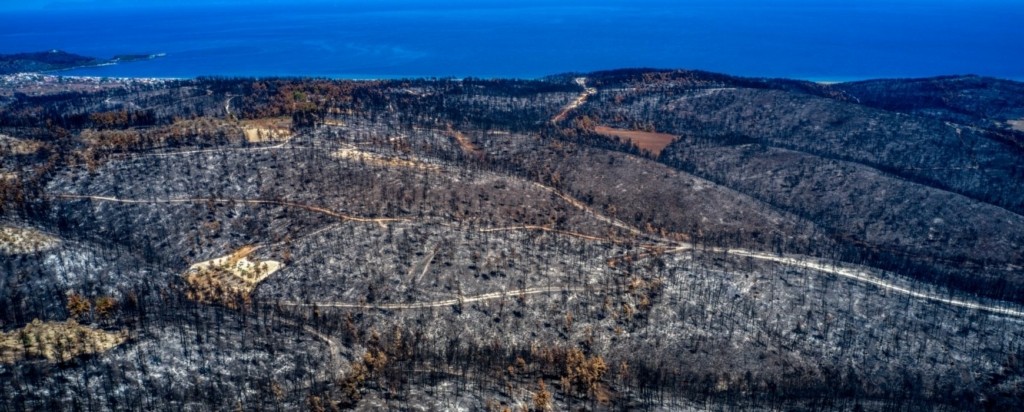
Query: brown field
(650,141)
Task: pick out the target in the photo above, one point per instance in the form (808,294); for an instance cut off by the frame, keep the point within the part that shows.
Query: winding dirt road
(552,230)
(587,209)
(220,150)
(865,277)
(444,302)
(582,98)
(667,246)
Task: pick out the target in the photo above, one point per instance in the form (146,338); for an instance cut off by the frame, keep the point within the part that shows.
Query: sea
(820,40)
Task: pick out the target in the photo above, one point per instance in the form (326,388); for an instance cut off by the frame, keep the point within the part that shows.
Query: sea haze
(818,40)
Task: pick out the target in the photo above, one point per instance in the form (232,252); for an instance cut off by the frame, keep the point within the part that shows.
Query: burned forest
(629,239)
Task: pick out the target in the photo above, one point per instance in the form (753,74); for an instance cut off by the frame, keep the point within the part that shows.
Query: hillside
(503,244)
(43,61)
(57,60)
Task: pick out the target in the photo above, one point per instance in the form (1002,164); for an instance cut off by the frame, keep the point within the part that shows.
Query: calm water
(821,39)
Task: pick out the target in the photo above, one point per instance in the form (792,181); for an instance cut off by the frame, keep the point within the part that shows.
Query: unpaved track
(445,302)
(865,277)
(670,248)
(227,106)
(426,267)
(279,146)
(581,206)
(862,276)
(857,275)
(582,98)
(548,229)
(333,347)
(466,144)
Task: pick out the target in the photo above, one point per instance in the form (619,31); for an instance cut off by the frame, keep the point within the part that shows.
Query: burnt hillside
(498,244)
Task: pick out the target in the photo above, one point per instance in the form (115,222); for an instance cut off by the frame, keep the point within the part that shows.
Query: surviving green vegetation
(55,341)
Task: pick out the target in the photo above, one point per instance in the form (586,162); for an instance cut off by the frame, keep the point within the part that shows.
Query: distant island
(56,60)
(125,58)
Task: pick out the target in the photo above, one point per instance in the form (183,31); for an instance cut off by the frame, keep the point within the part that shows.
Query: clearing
(651,141)
(374,159)
(19,241)
(56,341)
(278,129)
(229,279)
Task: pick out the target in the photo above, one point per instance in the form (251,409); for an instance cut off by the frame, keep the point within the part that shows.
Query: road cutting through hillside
(445,302)
(227,106)
(865,277)
(552,230)
(848,273)
(278,146)
(582,98)
(581,206)
(670,248)
(333,346)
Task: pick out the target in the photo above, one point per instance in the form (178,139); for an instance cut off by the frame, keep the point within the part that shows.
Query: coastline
(51,76)
(114,61)
(359,77)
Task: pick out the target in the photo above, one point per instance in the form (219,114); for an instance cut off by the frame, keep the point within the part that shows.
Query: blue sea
(826,40)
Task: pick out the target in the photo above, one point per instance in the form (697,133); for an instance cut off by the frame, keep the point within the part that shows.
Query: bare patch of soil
(228,280)
(267,130)
(650,141)
(375,159)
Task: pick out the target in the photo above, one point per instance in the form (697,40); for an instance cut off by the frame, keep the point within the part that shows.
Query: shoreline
(826,81)
(114,61)
(51,75)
